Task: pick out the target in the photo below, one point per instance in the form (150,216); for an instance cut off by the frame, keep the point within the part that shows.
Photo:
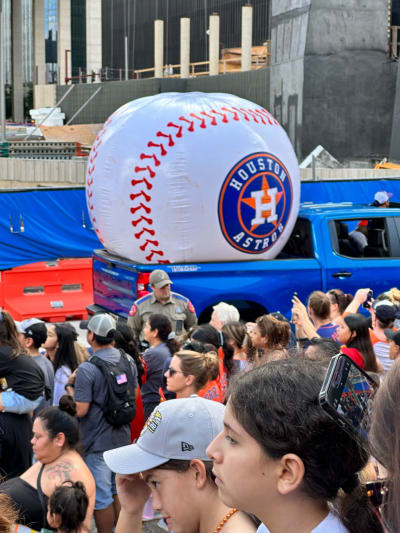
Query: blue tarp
(56,222)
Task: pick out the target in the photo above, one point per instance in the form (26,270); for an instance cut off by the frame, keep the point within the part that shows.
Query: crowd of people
(219,422)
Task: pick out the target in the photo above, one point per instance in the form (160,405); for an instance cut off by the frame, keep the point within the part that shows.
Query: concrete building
(48,42)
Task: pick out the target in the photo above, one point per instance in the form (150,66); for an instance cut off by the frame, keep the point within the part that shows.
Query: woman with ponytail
(190,371)
(212,339)
(158,333)
(282,458)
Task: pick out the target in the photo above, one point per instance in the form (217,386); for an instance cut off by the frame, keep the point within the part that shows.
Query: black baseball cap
(393,335)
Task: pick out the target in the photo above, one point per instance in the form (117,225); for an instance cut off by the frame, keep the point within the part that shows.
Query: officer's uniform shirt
(178,309)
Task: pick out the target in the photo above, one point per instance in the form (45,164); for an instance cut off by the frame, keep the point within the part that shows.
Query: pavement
(150,526)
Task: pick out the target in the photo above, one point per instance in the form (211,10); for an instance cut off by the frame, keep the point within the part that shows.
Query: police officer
(176,307)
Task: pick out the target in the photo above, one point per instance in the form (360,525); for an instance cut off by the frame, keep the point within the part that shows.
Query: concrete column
(64,41)
(185,47)
(214,44)
(17,63)
(39,55)
(247,36)
(158,48)
(93,38)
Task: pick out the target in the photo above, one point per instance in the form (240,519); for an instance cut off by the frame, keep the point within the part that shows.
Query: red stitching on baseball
(144,246)
(259,115)
(251,113)
(270,118)
(141,193)
(140,233)
(223,115)
(243,112)
(153,252)
(146,219)
(213,119)
(191,122)
(235,115)
(202,120)
(151,156)
(141,206)
(172,125)
(144,180)
(149,170)
(167,136)
(151,144)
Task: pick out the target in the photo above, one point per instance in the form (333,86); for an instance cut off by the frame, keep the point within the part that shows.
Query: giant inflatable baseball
(191,177)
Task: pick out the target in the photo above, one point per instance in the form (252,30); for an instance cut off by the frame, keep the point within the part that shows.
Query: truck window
(361,237)
(300,242)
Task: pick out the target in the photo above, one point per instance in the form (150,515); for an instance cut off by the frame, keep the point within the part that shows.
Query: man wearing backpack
(104,389)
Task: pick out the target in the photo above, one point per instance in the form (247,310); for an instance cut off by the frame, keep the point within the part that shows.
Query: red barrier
(54,291)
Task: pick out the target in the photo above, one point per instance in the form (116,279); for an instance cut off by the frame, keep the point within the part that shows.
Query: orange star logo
(266,199)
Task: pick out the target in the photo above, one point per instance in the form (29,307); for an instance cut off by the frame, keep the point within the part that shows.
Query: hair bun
(67,404)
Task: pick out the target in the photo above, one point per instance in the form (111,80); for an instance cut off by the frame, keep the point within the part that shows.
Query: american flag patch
(121,379)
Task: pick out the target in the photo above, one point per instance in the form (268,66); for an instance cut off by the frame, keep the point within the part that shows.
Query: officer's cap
(159,278)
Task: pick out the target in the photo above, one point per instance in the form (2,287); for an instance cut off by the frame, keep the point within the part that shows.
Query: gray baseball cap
(102,325)
(159,278)
(176,429)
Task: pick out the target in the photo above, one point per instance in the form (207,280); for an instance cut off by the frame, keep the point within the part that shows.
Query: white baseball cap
(382,197)
(176,429)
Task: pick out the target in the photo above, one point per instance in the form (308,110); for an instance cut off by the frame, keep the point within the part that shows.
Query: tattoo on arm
(61,471)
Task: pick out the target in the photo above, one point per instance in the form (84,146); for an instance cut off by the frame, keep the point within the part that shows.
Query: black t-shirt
(22,373)
(15,444)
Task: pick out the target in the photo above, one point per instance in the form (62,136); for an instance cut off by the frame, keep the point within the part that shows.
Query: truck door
(364,253)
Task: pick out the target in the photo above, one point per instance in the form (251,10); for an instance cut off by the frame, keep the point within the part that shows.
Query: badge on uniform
(133,310)
(178,310)
(190,307)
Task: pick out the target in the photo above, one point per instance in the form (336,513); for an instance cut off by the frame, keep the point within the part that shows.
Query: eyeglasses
(173,371)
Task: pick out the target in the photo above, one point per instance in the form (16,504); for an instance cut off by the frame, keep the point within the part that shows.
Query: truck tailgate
(114,285)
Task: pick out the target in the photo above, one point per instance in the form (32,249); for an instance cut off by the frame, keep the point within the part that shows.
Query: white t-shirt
(330,524)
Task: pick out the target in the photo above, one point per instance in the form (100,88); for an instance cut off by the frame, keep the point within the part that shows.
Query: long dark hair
(207,334)
(164,328)
(358,323)
(277,404)
(123,338)
(385,439)
(65,353)
(9,334)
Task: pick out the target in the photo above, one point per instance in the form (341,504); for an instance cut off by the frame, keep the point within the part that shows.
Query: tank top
(28,502)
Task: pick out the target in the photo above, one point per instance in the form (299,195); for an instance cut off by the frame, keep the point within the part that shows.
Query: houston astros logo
(255,202)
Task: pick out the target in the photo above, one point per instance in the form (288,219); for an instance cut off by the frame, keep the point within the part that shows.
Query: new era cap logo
(186,447)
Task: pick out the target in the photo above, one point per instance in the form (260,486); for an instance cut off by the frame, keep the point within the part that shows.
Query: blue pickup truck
(320,254)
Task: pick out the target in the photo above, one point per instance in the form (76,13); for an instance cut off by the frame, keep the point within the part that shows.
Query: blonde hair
(203,366)
(394,295)
(8,515)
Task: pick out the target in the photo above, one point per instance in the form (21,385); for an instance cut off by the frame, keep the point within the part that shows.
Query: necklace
(224,520)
